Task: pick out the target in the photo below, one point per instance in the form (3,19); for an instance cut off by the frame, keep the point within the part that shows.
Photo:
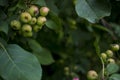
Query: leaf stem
(103,68)
(107,25)
(96,45)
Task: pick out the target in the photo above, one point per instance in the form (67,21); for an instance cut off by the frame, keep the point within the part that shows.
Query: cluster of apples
(107,57)
(30,21)
(109,54)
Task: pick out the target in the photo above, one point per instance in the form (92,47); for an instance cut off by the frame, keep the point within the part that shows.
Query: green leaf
(116,28)
(92,10)
(3,2)
(114,77)
(18,64)
(112,68)
(2,14)
(21,4)
(52,6)
(42,54)
(3,41)
(4,26)
(52,25)
(104,29)
(39,2)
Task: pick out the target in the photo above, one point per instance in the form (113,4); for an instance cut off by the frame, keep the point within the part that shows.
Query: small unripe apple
(67,73)
(33,21)
(75,67)
(66,68)
(92,75)
(25,17)
(104,56)
(109,53)
(110,60)
(28,34)
(41,20)
(15,25)
(115,47)
(36,28)
(26,28)
(44,11)
(33,10)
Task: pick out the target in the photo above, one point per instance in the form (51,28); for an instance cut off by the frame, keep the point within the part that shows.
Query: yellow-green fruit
(36,28)
(33,21)
(25,17)
(28,34)
(72,21)
(44,11)
(73,74)
(26,28)
(67,73)
(41,20)
(109,53)
(33,10)
(66,69)
(104,56)
(110,60)
(92,75)
(115,47)
(15,25)
(75,67)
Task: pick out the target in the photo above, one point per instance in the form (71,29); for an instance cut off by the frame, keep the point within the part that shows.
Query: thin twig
(106,24)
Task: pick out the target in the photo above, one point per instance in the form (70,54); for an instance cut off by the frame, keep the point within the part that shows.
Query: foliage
(67,44)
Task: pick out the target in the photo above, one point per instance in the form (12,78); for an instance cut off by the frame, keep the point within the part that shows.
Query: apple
(33,21)
(109,53)
(104,56)
(115,47)
(25,17)
(33,10)
(92,75)
(36,28)
(28,34)
(110,60)
(44,11)
(15,25)
(41,20)
(26,28)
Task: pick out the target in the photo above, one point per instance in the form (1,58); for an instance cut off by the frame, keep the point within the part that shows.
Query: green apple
(44,11)
(28,34)
(92,75)
(115,47)
(33,21)
(15,25)
(109,53)
(41,20)
(33,10)
(110,60)
(36,28)
(25,17)
(104,56)
(66,68)
(26,28)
